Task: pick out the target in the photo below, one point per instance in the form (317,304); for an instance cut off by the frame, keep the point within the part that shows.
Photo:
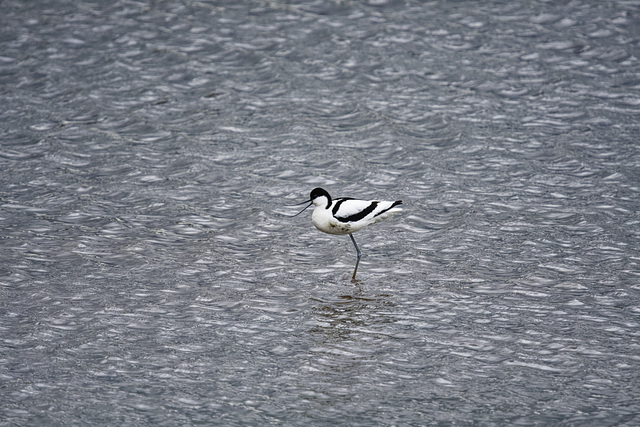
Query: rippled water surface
(150,270)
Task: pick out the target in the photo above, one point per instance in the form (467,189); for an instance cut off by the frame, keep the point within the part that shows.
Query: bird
(346,215)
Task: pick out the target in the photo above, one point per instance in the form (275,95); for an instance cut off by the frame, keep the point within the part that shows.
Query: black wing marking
(339,201)
(396,203)
(357,216)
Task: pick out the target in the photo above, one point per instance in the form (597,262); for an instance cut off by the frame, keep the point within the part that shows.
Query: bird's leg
(353,278)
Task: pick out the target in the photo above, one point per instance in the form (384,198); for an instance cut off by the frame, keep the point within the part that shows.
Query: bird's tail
(391,209)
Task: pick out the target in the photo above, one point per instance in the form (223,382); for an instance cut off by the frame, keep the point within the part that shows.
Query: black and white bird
(345,215)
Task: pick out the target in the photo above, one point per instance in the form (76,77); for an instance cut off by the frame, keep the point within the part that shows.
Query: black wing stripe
(396,203)
(357,216)
(338,203)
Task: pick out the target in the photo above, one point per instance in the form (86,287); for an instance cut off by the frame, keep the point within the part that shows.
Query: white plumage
(345,215)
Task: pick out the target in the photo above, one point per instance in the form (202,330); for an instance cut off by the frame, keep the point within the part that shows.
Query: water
(150,274)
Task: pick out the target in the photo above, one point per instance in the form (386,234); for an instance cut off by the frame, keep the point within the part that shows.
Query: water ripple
(150,153)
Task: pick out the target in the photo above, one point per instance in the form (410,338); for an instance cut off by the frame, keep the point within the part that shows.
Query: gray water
(150,270)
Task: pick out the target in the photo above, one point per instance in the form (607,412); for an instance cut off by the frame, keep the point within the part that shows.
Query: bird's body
(345,215)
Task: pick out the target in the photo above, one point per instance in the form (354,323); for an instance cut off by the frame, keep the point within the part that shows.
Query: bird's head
(318,197)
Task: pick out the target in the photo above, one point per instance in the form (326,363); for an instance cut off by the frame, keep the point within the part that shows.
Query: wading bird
(345,215)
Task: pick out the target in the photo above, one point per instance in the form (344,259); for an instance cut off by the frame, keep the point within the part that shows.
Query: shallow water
(150,273)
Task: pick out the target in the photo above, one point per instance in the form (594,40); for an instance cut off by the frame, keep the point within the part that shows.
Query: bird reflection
(348,314)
